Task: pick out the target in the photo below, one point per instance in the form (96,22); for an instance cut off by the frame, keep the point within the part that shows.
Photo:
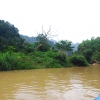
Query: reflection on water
(51,84)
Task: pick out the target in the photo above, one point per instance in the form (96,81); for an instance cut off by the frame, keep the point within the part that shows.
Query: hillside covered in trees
(32,39)
(9,36)
(17,52)
(50,41)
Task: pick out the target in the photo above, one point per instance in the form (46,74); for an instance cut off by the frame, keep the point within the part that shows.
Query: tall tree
(90,49)
(64,45)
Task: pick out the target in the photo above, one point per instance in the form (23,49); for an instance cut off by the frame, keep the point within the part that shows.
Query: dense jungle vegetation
(16,53)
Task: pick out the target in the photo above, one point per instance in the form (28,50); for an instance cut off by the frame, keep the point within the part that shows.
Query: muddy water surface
(79,83)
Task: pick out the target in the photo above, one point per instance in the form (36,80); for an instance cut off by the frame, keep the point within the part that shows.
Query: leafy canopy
(90,49)
(64,45)
(8,30)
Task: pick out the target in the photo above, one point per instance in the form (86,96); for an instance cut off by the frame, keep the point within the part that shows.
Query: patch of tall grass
(50,59)
(15,61)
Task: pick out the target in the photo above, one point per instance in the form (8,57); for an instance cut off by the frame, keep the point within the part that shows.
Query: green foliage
(15,61)
(16,53)
(7,61)
(41,43)
(3,43)
(50,59)
(87,54)
(43,47)
(45,58)
(9,36)
(28,48)
(41,38)
(90,49)
(8,30)
(78,60)
(96,56)
(61,56)
(64,45)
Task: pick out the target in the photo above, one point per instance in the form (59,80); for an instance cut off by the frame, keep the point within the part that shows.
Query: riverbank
(50,59)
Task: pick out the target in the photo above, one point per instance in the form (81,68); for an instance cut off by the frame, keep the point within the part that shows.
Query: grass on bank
(50,59)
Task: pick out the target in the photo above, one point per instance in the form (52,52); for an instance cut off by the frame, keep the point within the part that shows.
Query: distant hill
(50,41)
(33,39)
(75,46)
(29,39)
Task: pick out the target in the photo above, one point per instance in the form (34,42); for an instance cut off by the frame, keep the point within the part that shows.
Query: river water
(79,83)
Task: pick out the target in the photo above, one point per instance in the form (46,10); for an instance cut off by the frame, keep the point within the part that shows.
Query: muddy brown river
(78,83)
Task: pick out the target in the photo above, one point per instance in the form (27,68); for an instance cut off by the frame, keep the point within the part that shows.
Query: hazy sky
(74,20)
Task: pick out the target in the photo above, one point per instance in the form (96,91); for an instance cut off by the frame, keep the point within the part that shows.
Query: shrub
(78,60)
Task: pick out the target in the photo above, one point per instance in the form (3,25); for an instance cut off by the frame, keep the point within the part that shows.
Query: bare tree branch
(46,35)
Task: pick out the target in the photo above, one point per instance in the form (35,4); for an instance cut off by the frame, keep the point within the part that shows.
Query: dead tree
(44,36)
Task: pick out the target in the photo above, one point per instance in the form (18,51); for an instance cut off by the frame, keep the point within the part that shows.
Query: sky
(73,20)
